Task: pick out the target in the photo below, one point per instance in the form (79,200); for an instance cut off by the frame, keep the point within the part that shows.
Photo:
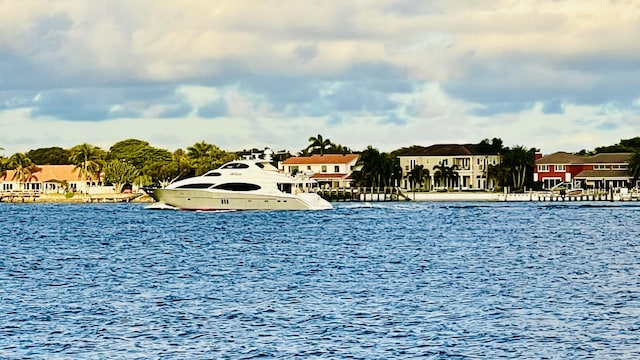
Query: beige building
(470,166)
(329,170)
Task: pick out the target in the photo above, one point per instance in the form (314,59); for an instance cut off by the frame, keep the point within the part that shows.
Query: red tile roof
(321,159)
(50,173)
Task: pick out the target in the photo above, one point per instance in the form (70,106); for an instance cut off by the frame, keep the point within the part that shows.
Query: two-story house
(598,171)
(329,170)
(470,165)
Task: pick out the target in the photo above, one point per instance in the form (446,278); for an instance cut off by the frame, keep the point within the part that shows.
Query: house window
(543,168)
(308,167)
(621,167)
(600,167)
(412,163)
(336,169)
(548,183)
(324,168)
(560,168)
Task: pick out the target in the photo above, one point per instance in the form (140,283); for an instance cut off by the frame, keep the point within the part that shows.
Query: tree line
(136,162)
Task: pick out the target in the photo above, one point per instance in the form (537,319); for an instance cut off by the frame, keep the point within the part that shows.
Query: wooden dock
(361,194)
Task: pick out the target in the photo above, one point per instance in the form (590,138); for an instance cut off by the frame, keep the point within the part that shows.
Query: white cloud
(478,69)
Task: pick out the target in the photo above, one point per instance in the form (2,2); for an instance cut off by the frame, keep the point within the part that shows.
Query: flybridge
(266,155)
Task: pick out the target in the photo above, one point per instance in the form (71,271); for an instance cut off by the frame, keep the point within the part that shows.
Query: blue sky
(557,75)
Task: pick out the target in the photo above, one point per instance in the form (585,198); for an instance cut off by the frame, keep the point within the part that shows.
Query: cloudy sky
(551,74)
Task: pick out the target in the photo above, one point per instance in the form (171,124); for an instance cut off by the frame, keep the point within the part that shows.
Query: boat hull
(205,200)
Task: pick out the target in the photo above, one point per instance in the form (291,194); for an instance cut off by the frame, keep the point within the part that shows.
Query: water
(389,280)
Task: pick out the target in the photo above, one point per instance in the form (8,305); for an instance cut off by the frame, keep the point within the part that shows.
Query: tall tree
(89,160)
(634,166)
(319,144)
(4,166)
(204,157)
(377,169)
(138,153)
(21,165)
(120,173)
(625,145)
(369,162)
(49,156)
(446,176)
(417,176)
(518,163)
(493,146)
(164,173)
(338,149)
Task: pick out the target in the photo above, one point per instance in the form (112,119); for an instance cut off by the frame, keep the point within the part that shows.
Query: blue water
(390,280)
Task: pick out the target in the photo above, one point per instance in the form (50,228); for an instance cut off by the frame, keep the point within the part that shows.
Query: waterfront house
(600,171)
(51,179)
(329,170)
(469,161)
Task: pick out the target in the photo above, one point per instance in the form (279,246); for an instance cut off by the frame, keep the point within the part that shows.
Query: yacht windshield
(235,166)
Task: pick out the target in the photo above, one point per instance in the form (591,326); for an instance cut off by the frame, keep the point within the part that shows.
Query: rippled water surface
(389,280)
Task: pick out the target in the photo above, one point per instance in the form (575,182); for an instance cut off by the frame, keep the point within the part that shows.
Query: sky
(557,75)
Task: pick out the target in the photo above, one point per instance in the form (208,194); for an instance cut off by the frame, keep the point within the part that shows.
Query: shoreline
(80,198)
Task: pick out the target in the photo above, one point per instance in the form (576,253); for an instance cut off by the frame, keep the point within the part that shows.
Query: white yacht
(252,184)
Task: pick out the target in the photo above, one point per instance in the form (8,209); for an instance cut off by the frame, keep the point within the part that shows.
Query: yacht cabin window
(238,186)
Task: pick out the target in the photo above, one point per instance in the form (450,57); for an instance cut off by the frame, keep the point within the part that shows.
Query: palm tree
(446,175)
(369,161)
(89,160)
(181,166)
(495,173)
(634,166)
(339,149)
(517,161)
(319,143)
(205,157)
(395,170)
(20,164)
(4,166)
(453,174)
(426,176)
(417,176)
